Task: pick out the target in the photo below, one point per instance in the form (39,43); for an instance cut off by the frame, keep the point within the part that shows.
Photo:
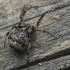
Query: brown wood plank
(56,22)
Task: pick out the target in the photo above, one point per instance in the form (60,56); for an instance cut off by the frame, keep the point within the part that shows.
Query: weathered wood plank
(56,22)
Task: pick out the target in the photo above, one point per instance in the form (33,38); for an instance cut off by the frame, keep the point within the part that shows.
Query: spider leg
(46,32)
(28,55)
(8,34)
(23,13)
(38,22)
(22,18)
(36,42)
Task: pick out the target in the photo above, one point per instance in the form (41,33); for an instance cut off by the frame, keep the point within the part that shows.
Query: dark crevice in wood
(63,5)
(66,68)
(47,58)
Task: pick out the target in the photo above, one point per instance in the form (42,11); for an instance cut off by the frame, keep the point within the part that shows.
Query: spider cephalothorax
(20,37)
(30,30)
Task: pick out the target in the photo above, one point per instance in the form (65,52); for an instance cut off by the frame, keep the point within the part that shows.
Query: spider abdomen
(19,40)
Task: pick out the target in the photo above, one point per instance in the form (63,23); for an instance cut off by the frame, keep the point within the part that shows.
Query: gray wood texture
(57,64)
(51,49)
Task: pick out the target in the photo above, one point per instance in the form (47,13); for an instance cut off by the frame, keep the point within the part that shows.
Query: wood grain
(51,49)
(61,63)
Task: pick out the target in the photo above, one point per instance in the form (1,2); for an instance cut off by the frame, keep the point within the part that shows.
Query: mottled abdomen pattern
(19,40)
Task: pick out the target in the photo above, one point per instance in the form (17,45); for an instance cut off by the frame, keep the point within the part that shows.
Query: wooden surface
(52,54)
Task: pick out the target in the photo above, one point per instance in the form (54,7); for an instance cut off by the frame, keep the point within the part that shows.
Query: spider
(20,37)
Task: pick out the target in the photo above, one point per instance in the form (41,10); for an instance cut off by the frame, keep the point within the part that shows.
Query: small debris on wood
(40,64)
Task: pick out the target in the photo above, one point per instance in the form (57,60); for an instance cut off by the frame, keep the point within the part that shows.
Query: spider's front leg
(25,8)
(37,24)
(8,34)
